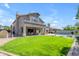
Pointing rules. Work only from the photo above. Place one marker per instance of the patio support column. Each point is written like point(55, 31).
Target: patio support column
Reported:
point(24, 30)
point(43, 31)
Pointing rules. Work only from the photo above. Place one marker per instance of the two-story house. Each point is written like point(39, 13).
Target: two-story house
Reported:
point(28, 24)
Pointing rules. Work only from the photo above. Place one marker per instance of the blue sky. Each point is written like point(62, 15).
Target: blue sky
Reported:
point(58, 15)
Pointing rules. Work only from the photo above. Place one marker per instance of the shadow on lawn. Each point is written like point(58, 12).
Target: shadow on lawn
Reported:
point(64, 51)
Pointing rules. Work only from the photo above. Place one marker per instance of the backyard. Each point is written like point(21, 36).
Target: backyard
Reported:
point(39, 46)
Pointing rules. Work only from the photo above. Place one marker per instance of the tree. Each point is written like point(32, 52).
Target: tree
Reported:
point(7, 28)
point(77, 24)
point(77, 15)
point(69, 27)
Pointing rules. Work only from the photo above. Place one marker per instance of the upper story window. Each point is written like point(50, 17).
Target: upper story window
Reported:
point(34, 19)
point(26, 19)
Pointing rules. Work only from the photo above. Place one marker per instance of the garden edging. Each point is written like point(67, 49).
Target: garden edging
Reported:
point(7, 53)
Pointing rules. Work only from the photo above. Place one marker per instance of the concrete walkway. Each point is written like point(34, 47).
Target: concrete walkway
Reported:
point(2, 42)
point(5, 40)
point(3, 54)
point(74, 51)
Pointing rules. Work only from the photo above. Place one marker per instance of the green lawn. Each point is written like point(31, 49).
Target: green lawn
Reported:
point(39, 46)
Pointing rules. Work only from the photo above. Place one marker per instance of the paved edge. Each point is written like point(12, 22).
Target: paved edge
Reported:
point(9, 39)
point(72, 47)
point(7, 53)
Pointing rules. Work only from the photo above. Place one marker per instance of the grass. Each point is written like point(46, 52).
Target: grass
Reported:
point(39, 46)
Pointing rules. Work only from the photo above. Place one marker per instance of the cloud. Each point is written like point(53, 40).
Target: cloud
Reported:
point(73, 18)
point(6, 18)
point(1, 24)
point(55, 21)
point(4, 13)
point(54, 25)
point(6, 5)
point(10, 20)
point(57, 26)
point(7, 21)
point(50, 19)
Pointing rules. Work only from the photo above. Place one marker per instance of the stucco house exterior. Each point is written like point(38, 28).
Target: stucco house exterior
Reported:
point(29, 24)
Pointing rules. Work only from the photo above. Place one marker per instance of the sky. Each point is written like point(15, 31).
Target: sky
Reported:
point(58, 15)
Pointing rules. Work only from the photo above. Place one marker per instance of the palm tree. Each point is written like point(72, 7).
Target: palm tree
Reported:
point(77, 15)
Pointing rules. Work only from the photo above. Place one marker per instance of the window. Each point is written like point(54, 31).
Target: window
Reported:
point(26, 19)
point(34, 19)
